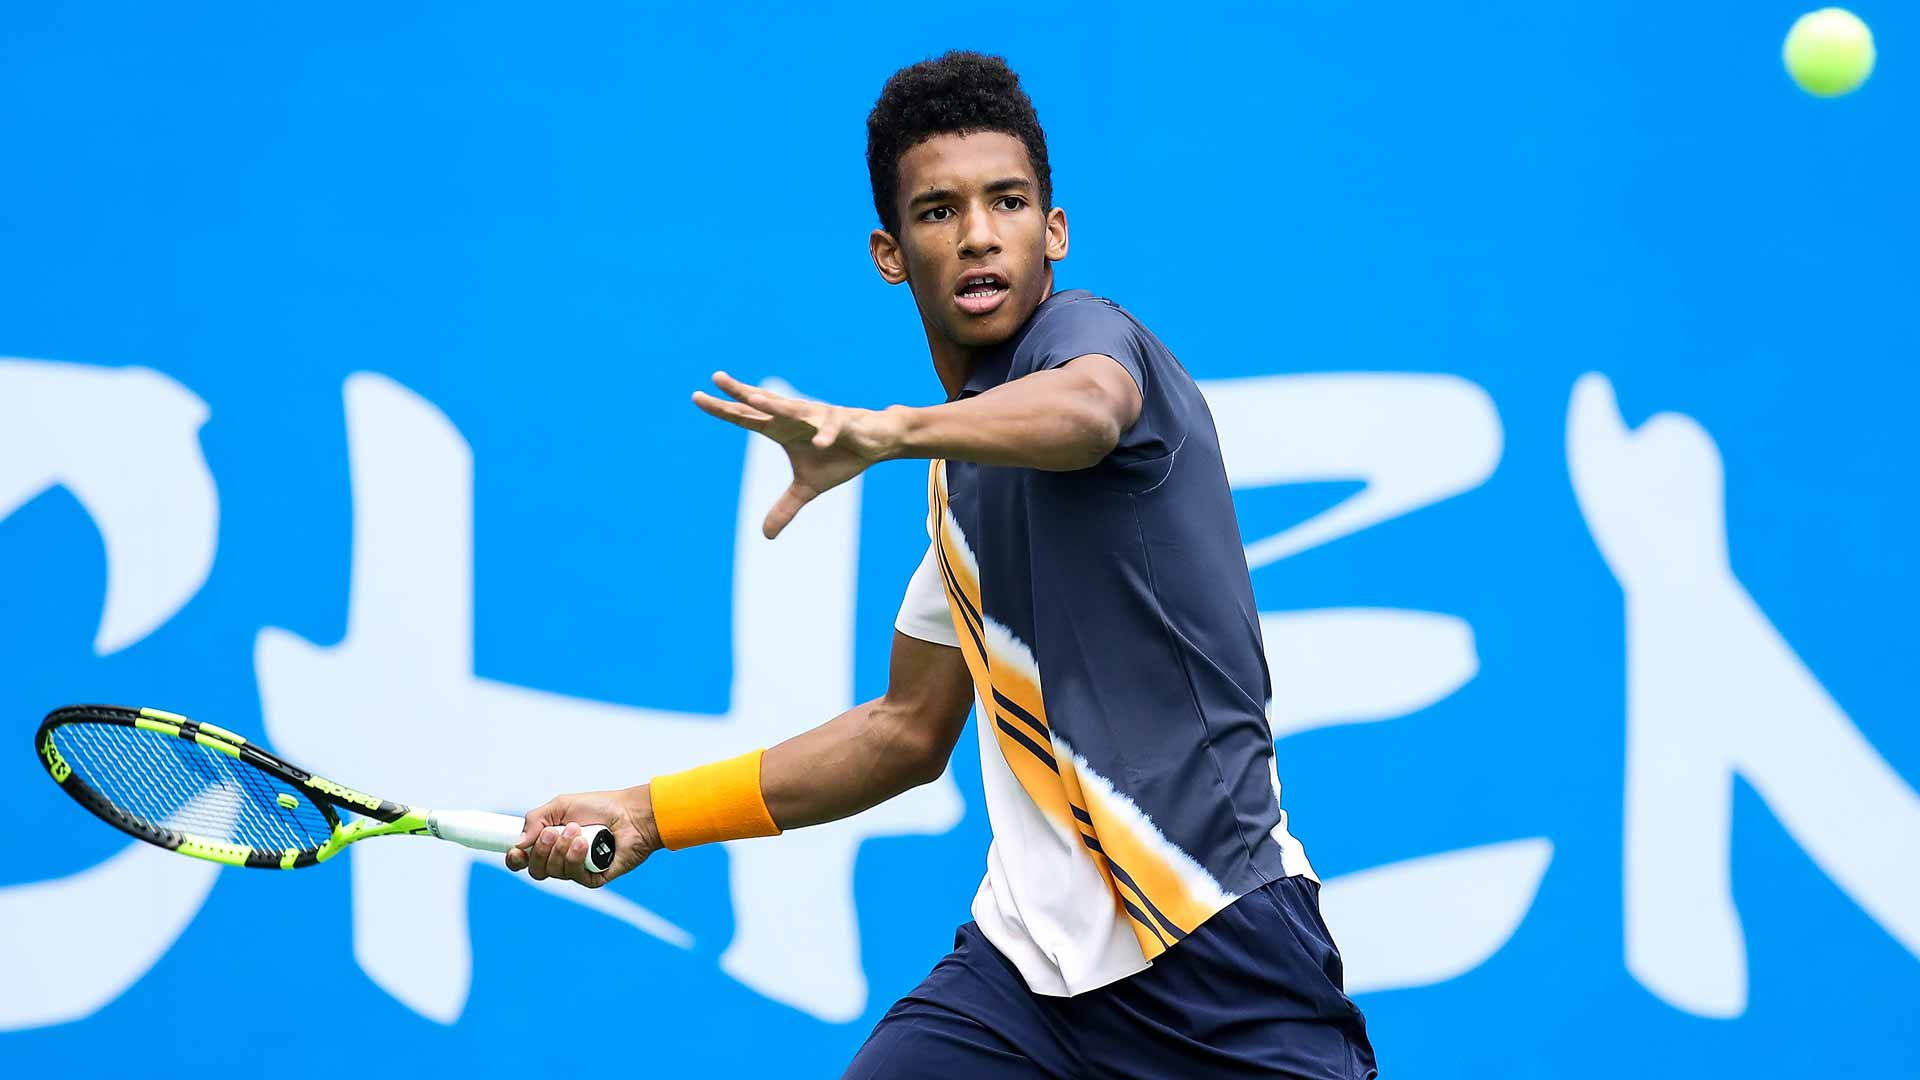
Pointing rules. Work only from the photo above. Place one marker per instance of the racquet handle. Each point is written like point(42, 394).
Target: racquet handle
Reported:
point(483, 831)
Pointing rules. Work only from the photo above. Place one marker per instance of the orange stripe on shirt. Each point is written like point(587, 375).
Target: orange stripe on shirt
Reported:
point(1056, 791)
point(1040, 782)
point(1145, 861)
point(1011, 678)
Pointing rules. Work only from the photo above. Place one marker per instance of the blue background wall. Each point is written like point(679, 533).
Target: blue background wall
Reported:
point(553, 224)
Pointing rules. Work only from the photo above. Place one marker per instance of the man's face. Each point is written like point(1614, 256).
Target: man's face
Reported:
point(973, 242)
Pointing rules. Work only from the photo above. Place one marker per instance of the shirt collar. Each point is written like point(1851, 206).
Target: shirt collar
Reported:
point(993, 366)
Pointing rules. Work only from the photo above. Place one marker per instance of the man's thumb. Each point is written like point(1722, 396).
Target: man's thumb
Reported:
point(537, 819)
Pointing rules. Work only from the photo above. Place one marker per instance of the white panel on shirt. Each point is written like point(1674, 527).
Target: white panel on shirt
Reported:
point(923, 611)
point(1043, 904)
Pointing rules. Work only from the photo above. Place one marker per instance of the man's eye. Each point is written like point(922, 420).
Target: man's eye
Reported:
point(938, 213)
point(1012, 202)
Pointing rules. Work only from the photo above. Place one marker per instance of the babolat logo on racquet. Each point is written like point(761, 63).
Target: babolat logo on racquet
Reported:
point(345, 794)
point(204, 791)
point(56, 764)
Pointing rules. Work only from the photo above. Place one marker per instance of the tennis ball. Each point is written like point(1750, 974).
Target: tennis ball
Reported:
point(1829, 52)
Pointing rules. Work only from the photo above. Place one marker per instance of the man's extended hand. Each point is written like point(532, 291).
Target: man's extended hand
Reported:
point(827, 445)
point(553, 844)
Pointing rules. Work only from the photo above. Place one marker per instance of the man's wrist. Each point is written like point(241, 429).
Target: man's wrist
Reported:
point(902, 429)
point(639, 802)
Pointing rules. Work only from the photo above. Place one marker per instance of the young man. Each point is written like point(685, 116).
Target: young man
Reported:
point(1145, 912)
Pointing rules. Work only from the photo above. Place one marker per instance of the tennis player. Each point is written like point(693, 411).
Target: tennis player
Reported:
point(1145, 910)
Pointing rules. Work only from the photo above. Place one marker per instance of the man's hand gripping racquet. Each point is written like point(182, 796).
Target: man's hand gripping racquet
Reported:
point(203, 791)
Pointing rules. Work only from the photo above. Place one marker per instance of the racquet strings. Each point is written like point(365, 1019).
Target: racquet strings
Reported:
point(173, 783)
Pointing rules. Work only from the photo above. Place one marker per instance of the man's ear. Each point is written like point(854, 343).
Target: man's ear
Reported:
point(1056, 234)
point(887, 256)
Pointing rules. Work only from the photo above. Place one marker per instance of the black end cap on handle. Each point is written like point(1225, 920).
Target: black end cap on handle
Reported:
point(600, 850)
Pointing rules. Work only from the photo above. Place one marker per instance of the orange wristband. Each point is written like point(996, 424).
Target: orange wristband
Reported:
point(716, 802)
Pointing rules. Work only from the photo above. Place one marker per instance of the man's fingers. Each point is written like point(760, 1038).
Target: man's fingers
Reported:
point(520, 855)
point(577, 857)
point(538, 818)
point(765, 401)
point(732, 386)
point(556, 861)
point(537, 854)
point(554, 839)
point(731, 411)
point(558, 864)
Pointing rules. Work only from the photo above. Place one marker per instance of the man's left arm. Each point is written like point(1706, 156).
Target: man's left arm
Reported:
point(1060, 419)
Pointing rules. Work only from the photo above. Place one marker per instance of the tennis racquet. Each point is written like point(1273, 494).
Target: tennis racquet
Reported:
point(203, 791)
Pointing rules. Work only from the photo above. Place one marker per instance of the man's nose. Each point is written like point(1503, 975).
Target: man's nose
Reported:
point(978, 237)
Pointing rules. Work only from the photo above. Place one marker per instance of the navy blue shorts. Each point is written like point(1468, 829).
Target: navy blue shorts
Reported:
point(1255, 991)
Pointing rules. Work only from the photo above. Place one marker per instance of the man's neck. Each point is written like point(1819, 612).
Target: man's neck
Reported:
point(954, 362)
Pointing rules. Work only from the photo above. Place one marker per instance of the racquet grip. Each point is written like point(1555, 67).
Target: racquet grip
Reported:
point(483, 831)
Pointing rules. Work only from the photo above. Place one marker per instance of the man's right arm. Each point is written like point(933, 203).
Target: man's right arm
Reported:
point(857, 760)
point(875, 750)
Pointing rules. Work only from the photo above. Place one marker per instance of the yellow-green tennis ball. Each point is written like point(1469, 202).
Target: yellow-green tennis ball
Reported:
point(1829, 52)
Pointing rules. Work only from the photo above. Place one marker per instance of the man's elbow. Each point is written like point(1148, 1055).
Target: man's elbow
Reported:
point(1092, 433)
point(925, 767)
point(917, 747)
point(1103, 435)
point(927, 752)
point(1100, 410)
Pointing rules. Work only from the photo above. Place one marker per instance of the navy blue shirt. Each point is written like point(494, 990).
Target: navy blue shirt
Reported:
point(1108, 619)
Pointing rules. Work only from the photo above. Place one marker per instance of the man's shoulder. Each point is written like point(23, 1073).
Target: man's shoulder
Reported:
point(1075, 323)
point(1081, 306)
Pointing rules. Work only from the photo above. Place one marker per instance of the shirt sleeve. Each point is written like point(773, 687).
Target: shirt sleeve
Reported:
point(1087, 327)
point(923, 611)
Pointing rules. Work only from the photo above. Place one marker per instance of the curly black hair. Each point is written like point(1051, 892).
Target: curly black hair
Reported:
point(957, 93)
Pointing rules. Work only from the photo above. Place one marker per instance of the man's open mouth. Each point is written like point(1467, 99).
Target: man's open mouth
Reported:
point(982, 292)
